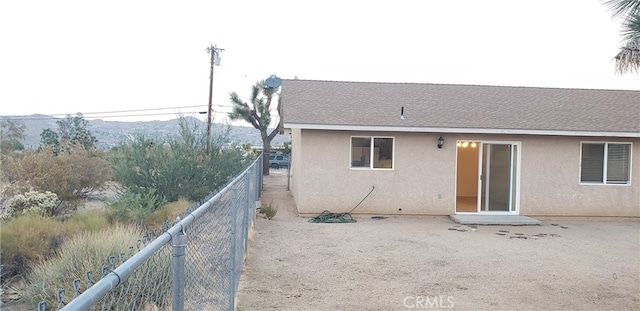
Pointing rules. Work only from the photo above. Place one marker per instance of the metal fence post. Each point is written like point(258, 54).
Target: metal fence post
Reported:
point(232, 237)
point(245, 216)
point(256, 180)
point(179, 243)
point(260, 175)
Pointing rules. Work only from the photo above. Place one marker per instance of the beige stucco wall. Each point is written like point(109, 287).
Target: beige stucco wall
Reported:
point(550, 181)
point(296, 156)
point(423, 180)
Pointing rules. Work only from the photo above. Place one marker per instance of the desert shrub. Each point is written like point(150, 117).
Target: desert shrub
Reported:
point(269, 210)
point(71, 131)
point(134, 207)
point(178, 167)
point(31, 238)
point(86, 251)
point(43, 204)
point(8, 165)
point(85, 221)
point(11, 135)
point(72, 175)
point(168, 212)
point(26, 240)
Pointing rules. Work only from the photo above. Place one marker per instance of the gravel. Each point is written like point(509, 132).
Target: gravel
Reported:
point(430, 262)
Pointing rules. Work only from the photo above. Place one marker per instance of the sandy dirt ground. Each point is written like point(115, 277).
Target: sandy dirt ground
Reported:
point(424, 262)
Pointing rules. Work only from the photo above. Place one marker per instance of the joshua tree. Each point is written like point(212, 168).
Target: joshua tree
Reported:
point(258, 113)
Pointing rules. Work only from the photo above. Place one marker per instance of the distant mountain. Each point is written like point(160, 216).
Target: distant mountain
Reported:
point(111, 133)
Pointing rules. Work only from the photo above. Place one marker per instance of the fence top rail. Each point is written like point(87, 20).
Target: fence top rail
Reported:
point(101, 288)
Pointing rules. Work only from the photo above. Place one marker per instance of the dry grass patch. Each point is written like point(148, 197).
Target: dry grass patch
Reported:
point(26, 240)
point(168, 212)
point(30, 239)
point(86, 251)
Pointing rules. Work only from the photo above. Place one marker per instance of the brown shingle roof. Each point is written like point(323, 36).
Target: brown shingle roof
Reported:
point(330, 104)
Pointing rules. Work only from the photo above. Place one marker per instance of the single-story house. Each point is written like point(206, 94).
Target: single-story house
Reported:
point(437, 149)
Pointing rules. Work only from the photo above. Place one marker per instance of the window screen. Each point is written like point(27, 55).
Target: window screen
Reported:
point(605, 163)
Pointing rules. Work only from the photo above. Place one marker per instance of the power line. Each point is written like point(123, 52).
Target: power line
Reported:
point(135, 110)
point(48, 117)
point(121, 113)
point(125, 113)
point(151, 114)
point(136, 115)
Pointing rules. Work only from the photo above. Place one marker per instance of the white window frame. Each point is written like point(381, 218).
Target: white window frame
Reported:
point(371, 153)
point(605, 158)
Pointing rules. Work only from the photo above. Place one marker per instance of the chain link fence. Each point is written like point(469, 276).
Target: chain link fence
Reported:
point(193, 265)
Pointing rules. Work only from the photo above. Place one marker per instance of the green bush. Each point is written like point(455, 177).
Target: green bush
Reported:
point(134, 207)
point(269, 210)
point(86, 251)
point(139, 209)
point(43, 204)
point(178, 167)
point(71, 131)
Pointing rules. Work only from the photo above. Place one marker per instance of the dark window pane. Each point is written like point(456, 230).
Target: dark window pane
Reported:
point(592, 166)
point(618, 158)
point(360, 151)
point(383, 152)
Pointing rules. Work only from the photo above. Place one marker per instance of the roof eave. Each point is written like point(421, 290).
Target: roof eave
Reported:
point(337, 127)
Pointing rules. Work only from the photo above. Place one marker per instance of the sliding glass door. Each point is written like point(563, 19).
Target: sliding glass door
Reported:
point(498, 176)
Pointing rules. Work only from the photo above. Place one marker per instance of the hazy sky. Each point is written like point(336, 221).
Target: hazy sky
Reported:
point(62, 57)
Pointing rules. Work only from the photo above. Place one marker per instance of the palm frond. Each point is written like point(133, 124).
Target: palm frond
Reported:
point(631, 27)
point(628, 59)
point(622, 8)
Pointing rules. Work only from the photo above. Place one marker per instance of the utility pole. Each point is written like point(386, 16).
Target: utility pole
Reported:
point(215, 60)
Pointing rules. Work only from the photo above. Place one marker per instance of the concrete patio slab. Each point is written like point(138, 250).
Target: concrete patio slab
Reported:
point(484, 219)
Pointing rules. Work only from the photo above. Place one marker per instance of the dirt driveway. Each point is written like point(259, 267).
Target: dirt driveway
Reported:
point(416, 263)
